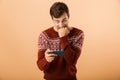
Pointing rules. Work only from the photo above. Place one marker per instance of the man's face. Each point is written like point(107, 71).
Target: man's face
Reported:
point(62, 21)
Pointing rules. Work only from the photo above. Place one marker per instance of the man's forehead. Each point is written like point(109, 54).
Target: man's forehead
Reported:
point(64, 16)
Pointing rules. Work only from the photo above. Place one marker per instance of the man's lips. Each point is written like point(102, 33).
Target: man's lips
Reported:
point(62, 27)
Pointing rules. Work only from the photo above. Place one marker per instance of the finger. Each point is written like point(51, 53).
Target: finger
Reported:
point(53, 55)
point(48, 50)
point(51, 50)
point(51, 58)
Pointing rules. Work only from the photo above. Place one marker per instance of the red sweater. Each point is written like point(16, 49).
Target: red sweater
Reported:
point(63, 67)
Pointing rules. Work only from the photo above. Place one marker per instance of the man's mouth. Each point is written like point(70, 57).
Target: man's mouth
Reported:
point(62, 27)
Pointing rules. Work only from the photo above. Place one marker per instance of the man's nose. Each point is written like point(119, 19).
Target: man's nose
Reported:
point(61, 24)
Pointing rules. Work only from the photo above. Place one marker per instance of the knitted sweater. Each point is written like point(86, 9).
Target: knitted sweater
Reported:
point(63, 67)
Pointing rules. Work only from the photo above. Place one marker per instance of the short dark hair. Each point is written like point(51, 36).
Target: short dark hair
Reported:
point(58, 8)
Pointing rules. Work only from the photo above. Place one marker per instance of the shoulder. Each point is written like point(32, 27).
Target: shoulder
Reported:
point(49, 33)
point(76, 32)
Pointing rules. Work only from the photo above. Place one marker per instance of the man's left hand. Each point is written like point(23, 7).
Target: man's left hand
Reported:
point(63, 32)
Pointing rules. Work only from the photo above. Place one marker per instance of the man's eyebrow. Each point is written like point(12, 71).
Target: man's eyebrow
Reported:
point(64, 18)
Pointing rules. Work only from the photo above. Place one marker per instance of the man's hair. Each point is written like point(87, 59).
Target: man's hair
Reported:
point(58, 8)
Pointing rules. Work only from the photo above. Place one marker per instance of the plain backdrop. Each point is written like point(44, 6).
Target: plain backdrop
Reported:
point(21, 22)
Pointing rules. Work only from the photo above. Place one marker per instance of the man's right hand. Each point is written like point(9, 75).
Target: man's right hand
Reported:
point(49, 57)
point(63, 31)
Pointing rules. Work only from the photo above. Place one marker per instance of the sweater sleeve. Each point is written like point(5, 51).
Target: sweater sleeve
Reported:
point(42, 46)
point(72, 51)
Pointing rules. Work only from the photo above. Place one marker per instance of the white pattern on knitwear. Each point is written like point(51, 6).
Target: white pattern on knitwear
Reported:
point(45, 42)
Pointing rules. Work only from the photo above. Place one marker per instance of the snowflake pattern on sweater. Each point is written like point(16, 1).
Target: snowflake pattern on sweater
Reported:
point(54, 43)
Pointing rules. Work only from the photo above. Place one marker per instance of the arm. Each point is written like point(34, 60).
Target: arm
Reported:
point(42, 62)
point(42, 46)
point(72, 52)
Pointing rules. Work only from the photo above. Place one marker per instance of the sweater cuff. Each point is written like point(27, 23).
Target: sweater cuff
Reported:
point(46, 64)
point(64, 42)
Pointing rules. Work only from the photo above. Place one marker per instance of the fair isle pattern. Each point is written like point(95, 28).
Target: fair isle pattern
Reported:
point(42, 42)
point(45, 42)
point(77, 41)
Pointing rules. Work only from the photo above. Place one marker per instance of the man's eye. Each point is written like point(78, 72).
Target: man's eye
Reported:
point(64, 20)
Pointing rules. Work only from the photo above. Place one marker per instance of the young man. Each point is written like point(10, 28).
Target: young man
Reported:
point(59, 37)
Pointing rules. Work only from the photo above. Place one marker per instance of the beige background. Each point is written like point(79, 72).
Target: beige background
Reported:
point(21, 22)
